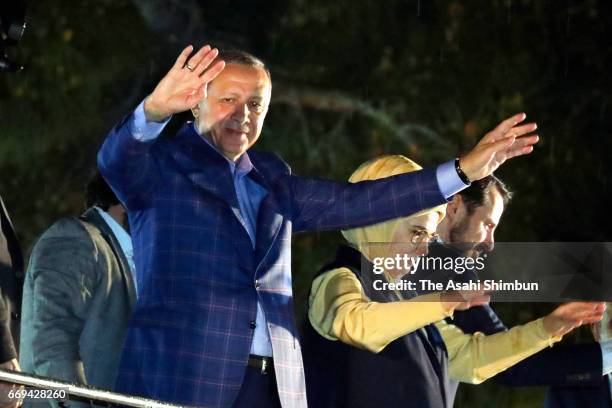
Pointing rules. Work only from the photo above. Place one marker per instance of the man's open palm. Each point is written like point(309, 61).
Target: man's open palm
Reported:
point(509, 139)
point(184, 85)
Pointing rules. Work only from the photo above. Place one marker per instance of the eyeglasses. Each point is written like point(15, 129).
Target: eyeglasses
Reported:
point(421, 236)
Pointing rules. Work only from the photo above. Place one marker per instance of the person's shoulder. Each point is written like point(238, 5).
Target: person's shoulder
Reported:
point(64, 227)
point(68, 230)
point(335, 277)
point(269, 162)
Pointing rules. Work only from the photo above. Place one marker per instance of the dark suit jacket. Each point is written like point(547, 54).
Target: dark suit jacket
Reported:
point(11, 283)
point(77, 300)
point(561, 365)
point(199, 278)
point(591, 396)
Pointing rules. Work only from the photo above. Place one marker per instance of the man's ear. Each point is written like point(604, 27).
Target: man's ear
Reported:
point(454, 207)
point(195, 111)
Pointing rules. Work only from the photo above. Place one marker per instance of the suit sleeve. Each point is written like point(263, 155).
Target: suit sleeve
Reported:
point(64, 280)
point(128, 165)
point(327, 205)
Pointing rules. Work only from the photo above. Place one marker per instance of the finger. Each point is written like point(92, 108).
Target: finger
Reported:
point(206, 61)
point(527, 140)
point(598, 316)
point(522, 145)
point(588, 311)
point(212, 72)
point(503, 128)
point(197, 58)
point(572, 310)
point(597, 312)
point(523, 129)
point(182, 58)
point(511, 153)
point(500, 145)
point(586, 316)
point(584, 305)
point(509, 123)
point(591, 319)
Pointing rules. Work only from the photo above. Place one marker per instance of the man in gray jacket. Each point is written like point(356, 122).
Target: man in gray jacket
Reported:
point(78, 294)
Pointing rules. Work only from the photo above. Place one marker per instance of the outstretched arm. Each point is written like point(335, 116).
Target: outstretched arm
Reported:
point(321, 205)
point(562, 364)
point(339, 310)
point(477, 357)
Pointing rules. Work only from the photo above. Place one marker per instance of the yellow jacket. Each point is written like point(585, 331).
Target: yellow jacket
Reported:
point(339, 310)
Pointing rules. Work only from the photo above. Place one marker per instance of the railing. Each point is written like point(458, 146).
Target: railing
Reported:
point(87, 392)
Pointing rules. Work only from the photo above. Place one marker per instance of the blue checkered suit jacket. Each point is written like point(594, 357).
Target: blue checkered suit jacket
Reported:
point(199, 277)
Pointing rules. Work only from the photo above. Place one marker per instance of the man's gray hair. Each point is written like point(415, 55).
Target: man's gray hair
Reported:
point(240, 57)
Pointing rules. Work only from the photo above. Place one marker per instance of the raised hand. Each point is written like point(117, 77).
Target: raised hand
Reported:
point(463, 299)
point(184, 85)
point(603, 330)
point(509, 139)
point(569, 316)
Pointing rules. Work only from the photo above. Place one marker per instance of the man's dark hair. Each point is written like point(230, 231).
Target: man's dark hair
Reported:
point(236, 56)
point(99, 193)
point(476, 194)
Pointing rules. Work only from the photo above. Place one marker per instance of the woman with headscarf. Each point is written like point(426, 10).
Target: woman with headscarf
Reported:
point(366, 347)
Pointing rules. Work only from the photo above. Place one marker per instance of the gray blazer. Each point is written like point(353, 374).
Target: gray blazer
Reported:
point(77, 299)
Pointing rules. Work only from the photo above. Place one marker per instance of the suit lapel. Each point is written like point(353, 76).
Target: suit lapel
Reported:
point(269, 218)
point(92, 217)
point(269, 223)
point(205, 167)
point(201, 164)
point(208, 170)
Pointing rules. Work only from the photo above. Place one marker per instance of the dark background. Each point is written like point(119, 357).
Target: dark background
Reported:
point(352, 79)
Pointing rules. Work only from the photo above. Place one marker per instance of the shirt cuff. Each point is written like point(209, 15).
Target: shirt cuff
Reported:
point(141, 128)
point(606, 355)
point(543, 334)
point(448, 180)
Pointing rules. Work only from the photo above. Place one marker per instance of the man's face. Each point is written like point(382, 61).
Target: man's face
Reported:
point(119, 214)
point(233, 113)
point(478, 228)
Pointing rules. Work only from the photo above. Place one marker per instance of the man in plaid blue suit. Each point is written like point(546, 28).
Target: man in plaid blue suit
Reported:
point(212, 221)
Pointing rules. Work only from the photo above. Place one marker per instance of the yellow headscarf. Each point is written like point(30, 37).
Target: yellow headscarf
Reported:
point(383, 232)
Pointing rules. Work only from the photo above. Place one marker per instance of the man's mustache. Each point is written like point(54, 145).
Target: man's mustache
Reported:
point(235, 125)
point(482, 248)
